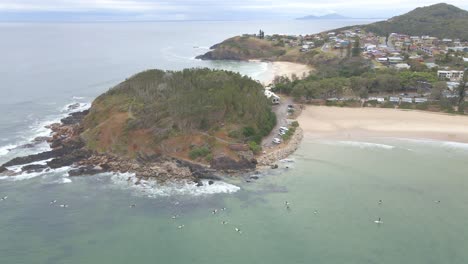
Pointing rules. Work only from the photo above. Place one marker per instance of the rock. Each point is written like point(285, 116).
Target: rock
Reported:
point(89, 170)
point(33, 168)
point(3, 169)
point(254, 177)
point(226, 163)
point(74, 118)
point(274, 166)
point(41, 139)
point(199, 184)
point(210, 182)
point(69, 158)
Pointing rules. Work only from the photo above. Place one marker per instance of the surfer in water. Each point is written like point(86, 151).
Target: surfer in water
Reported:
point(379, 221)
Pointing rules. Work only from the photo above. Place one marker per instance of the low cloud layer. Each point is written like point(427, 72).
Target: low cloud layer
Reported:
point(210, 9)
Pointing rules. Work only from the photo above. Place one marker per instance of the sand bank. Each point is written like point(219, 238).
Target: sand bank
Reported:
point(283, 68)
point(322, 121)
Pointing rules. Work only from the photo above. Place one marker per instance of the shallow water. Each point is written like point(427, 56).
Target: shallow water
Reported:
point(333, 191)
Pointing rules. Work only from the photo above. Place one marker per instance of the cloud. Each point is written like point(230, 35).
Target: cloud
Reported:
point(216, 9)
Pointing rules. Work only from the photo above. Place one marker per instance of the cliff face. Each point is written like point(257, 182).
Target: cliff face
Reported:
point(193, 114)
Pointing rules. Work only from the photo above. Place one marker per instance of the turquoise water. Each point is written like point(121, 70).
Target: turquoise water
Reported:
point(333, 188)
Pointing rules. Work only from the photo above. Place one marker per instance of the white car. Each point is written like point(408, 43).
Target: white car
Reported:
point(276, 140)
point(282, 133)
point(283, 129)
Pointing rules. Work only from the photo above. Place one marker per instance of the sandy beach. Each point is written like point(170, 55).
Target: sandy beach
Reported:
point(284, 68)
point(322, 121)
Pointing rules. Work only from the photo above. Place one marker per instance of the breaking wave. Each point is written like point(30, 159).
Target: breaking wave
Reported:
point(46, 172)
point(151, 188)
point(360, 144)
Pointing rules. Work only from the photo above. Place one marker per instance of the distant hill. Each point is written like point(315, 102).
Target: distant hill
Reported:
point(439, 20)
point(329, 16)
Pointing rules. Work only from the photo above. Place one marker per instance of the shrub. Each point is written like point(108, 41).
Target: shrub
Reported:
point(422, 106)
point(406, 106)
point(199, 152)
point(254, 147)
point(295, 124)
point(248, 132)
point(388, 105)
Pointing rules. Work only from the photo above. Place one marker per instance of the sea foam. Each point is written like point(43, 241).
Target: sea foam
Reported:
point(151, 188)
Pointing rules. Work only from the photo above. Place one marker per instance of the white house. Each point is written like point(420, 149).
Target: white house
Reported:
point(451, 75)
point(402, 66)
point(407, 100)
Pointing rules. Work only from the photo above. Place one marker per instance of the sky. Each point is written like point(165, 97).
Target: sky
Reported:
point(151, 10)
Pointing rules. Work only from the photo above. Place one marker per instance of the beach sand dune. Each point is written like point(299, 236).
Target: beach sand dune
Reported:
point(322, 121)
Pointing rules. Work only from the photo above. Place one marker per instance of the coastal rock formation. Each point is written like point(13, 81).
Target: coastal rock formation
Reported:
point(166, 126)
point(225, 163)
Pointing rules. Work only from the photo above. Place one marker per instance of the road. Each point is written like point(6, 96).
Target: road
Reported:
point(281, 111)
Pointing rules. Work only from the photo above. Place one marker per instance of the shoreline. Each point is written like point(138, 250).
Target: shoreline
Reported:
point(336, 122)
point(284, 68)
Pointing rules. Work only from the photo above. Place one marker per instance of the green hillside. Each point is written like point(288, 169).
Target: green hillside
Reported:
point(439, 20)
point(170, 112)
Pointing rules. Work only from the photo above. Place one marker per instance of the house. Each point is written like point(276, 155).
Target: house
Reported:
point(395, 60)
point(428, 50)
point(394, 99)
point(406, 100)
point(402, 66)
point(420, 100)
point(451, 75)
point(272, 96)
point(378, 99)
point(382, 60)
point(431, 65)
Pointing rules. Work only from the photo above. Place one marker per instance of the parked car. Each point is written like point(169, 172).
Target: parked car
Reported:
point(276, 140)
point(283, 129)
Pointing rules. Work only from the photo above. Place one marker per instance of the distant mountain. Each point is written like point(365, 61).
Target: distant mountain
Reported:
point(329, 16)
point(439, 20)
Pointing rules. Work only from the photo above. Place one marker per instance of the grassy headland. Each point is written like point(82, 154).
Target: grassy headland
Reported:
point(191, 114)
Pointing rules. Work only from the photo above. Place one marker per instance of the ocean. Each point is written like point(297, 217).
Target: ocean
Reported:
point(333, 186)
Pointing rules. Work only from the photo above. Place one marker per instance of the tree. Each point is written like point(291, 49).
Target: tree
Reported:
point(437, 90)
point(261, 34)
point(462, 92)
point(356, 51)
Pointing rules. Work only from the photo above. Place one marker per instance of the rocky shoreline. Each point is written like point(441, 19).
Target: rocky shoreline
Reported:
point(68, 149)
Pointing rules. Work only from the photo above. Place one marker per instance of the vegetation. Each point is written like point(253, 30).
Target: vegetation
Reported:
point(259, 47)
point(439, 20)
point(148, 111)
point(199, 152)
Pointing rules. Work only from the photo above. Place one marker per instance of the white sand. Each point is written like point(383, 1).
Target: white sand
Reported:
point(283, 68)
point(322, 121)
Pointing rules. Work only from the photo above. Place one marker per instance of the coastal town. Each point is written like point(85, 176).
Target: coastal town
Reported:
point(438, 65)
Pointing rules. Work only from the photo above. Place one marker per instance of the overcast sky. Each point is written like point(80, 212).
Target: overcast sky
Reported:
point(203, 9)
